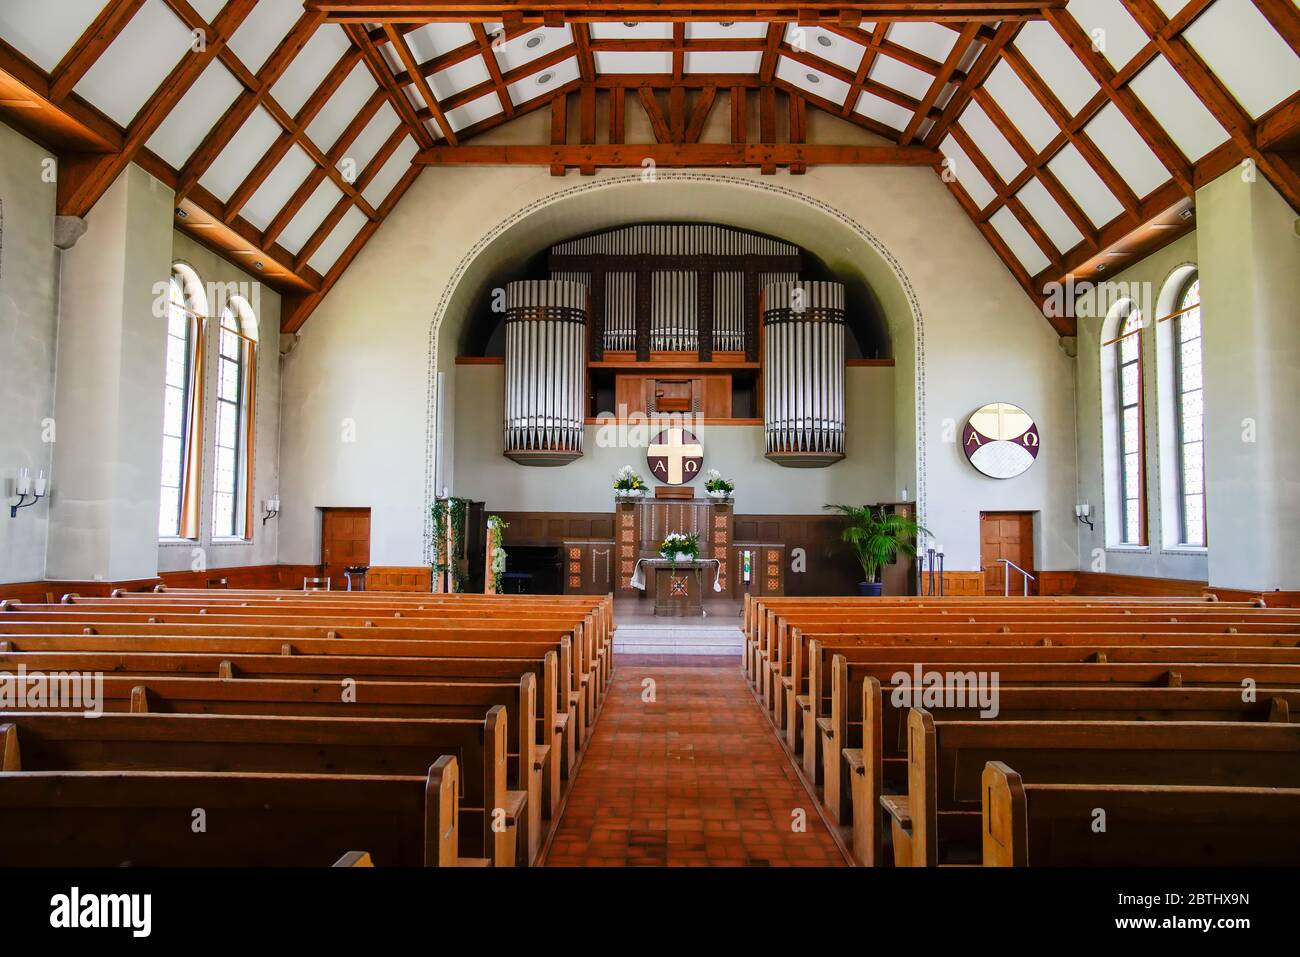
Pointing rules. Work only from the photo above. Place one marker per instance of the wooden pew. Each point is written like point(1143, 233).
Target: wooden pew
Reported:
point(782, 666)
point(559, 678)
point(329, 662)
point(770, 625)
point(534, 768)
point(1160, 825)
point(875, 734)
point(589, 665)
point(595, 614)
point(938, 821)
point(804, 711)
point(62, 744)
point(146, 818)
point(861, 663)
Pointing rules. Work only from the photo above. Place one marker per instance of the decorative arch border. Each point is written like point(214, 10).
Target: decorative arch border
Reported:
point(492, 235)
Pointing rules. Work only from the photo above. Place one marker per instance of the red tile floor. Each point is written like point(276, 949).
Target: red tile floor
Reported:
point(693, 778)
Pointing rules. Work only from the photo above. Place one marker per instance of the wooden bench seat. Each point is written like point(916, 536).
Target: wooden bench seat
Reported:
point(861, 663)
point(875, 732)
point(152, 818)
point(63, 742)
point(1147, 825)
point(946, 761)
point(553, 684)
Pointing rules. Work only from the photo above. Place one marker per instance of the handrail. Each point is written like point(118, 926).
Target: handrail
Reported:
point(1006, 578)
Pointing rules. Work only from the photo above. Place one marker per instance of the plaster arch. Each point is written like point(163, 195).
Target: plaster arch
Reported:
point(844, 244)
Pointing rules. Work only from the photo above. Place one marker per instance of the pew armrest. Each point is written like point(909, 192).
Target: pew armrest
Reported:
point(802, 702)
point(516, 806)
point(898, 807)
point(825, 727)
point(854, 759)
point(541, 754)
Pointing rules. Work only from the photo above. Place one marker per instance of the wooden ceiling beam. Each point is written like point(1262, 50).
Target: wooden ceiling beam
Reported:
point(294, 133)
point(700, 113)
point(958, 52)
point(408, 60)
point(979, 72)
point(1284, 18)
point(493, 67)
point(84, 178)
point(1125, 100)
point(863, 73)
point(388, 83)
point(317, 175)
point(70, 126)
point(678, 154)
point(245, 103)
point(577, 11)
point(92, 43)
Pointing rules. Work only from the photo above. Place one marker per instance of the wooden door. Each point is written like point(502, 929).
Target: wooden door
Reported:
point(344, 540)
point(1008, 535)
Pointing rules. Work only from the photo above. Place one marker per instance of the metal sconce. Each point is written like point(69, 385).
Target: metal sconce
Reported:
point(1081, 512)
point(270, 508)
point(27, 487)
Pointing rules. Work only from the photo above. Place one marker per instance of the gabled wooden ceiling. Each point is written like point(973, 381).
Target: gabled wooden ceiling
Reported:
point(1073, 134)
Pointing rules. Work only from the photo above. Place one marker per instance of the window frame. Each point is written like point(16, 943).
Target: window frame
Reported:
point(244, 322)
point(1180, 433)
point(193, 302)
point(1142, 538)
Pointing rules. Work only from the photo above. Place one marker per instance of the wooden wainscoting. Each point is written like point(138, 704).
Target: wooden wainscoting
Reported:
point(399, 578)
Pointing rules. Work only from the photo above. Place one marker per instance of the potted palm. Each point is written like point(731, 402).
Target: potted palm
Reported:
point(876, 537)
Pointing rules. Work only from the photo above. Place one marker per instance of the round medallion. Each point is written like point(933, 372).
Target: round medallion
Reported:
point(675, 456)
point(1001, 440)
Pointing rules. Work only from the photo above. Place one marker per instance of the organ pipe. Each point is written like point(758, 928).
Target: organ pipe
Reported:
point(803, 378)
point(546, 335)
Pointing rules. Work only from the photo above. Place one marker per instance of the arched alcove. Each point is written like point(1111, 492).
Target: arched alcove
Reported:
point(844, 247)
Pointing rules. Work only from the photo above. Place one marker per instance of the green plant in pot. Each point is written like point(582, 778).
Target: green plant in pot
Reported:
point(877, 537)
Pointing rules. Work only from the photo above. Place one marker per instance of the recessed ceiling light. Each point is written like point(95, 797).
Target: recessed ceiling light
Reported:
point(545, 78)
point(824, 40)
point(1188, 213)
point(727, 23)
point(533, 42)
point(812, 78)
point(259, 265)
point(181, 214)
point(630, 26)
point(1101, 267)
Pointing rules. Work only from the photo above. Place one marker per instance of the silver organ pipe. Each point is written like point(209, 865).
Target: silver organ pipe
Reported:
point(674, 295)
point(803, 379)
point(546, 335)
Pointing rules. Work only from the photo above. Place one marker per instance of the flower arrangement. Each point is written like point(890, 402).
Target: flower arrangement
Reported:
point(498, 524)
point(679, 547)
point(628, 483)
point(716, 485)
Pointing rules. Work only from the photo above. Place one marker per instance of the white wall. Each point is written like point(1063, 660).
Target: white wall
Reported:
point(109, 396)
point(365, 353)
point(29, 303)
point(1250, 259)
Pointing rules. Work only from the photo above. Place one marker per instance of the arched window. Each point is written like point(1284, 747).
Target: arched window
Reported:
point(182, 457)
point(1189, 412)
point(232, 500)
point(1129, 426)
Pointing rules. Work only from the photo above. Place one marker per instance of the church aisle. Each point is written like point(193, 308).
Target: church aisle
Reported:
point(694, 777)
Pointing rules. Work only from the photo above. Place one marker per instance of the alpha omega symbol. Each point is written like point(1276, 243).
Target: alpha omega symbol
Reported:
point(675, 456)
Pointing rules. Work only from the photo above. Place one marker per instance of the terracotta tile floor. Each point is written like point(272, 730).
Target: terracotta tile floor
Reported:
point(695, 778)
